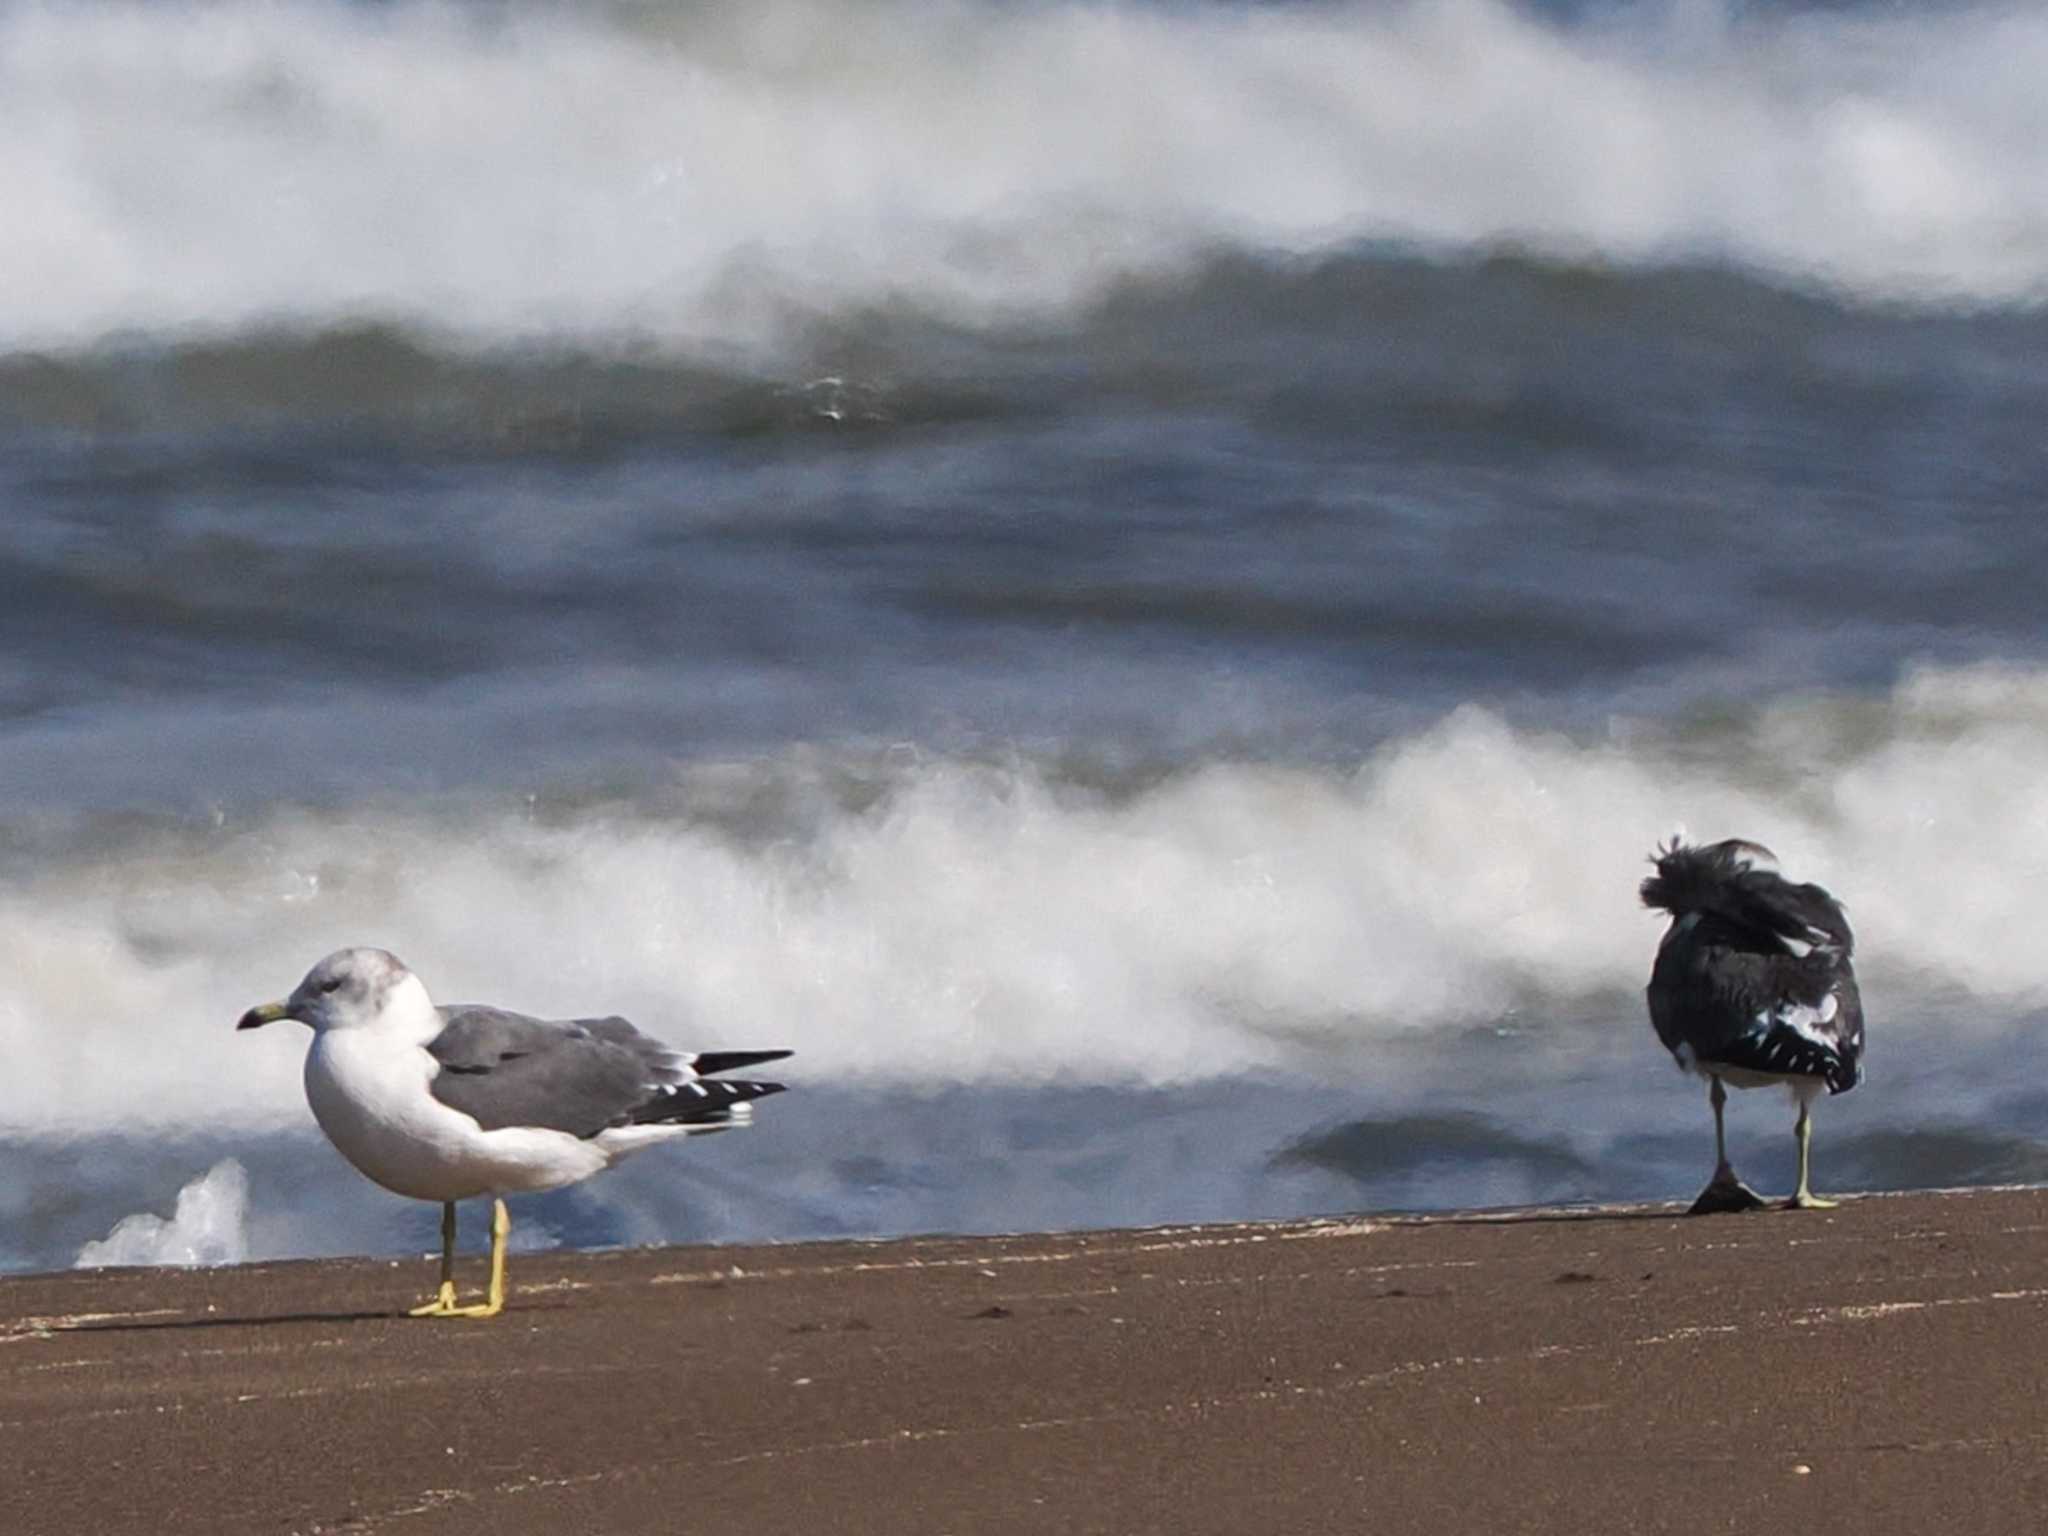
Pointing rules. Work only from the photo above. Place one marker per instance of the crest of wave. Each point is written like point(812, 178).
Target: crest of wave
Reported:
point(208, 1226)
point(700, 176)
point(957, 922)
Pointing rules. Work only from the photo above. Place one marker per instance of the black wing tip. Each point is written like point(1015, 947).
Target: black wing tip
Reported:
point(700, 1103)
point(711, 1063)
point(1785, 1053)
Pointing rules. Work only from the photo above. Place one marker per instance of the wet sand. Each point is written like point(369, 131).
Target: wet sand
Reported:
point(1876, 1368)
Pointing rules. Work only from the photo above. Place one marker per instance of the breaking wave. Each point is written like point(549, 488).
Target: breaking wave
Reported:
point(919, 921)
point(208, 1226)
point(703, 178)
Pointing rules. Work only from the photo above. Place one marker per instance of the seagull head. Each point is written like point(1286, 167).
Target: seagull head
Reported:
point(1692, 877)
point(350, 989)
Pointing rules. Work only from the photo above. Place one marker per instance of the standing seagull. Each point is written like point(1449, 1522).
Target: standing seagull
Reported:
point(1753, 985)
point(450, 1103)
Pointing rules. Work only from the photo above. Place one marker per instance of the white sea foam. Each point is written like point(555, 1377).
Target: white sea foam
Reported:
point(976, 924)
point(209, 1226)
point(692, 176)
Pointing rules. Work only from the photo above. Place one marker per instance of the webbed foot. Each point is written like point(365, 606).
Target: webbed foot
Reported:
point(445, 1305)
point(1726, 1194)
point(1806, 1200)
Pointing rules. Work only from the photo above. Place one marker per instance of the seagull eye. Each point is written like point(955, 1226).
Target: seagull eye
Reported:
point(331, 984)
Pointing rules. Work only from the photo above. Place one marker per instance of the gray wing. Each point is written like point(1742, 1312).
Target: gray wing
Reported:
point(576, 1075)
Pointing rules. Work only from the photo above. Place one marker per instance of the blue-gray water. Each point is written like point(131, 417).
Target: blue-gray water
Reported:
point(1134, 581)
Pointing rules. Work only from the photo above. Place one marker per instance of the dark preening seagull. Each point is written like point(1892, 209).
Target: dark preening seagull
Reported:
point(1753, 986)
point(453, 1103)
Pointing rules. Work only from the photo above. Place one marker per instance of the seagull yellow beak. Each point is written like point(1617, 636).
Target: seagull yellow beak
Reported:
point(263, 1013)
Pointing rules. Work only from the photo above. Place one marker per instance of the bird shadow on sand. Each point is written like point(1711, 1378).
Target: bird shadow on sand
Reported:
point(274, 1320)
point(181, 1324)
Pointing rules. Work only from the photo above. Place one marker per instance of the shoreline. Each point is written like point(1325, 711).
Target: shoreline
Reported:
point(1561, 1368)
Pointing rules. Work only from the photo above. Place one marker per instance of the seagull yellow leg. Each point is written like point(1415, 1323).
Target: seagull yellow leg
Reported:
point(1804, 1199)
point(501, 1228)
point(444, 1304)
point(1726, 1192)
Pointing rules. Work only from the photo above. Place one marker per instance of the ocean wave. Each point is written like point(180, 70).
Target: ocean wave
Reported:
point(707, 179)
point(914, 920)
point(209, 1226)
point(1307, 345)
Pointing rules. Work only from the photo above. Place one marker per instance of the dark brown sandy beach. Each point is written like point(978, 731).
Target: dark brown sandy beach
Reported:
point(1876, 1368)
